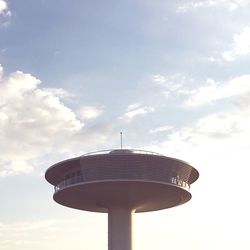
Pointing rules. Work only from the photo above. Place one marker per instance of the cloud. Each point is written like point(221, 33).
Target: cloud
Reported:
point(1, 72)
point(160, 79)
point(3, 6)
point(21, 227)
point(17, 235)
point(171, 83)
point(161, 129)
point(5, 13)
point(213, 91)
point(53, 234)
point(33, 121)
point(218, 146)
point(89, 112)
point(222, 135)
point(216, 127)
point(134, 111)
point(240, 47)
point(230, 5)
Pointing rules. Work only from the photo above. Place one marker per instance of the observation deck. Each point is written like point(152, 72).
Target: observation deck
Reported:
point(142, 180)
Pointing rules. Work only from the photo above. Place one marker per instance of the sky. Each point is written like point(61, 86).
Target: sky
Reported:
point(174, 76)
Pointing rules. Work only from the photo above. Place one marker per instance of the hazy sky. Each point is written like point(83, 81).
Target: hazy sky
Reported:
point(174, 76)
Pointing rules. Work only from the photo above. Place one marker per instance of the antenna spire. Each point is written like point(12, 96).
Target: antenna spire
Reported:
point(121, 139)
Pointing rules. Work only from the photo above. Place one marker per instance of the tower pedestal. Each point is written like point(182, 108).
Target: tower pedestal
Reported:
point(120, 228)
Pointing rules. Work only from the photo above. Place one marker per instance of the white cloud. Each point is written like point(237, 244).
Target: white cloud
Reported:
point(5, 13)
point(216, 142)
point(133, 106)
point(217, 127)
point(161, 129)
point(134, 111)
point(230, 5)
point(17, 235)
point(21, 227)
point(89, 112)
point(33, 121)
point(160, 79)
point(59, 92)
point(214, 91)
point(1, 72)
point(218, 146)
point(54, 234)
point(240, 47)
point(3, 6)
point(170, 83)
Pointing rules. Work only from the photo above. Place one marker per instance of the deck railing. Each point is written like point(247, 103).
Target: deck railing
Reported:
point(122, 151)
point(80, 179)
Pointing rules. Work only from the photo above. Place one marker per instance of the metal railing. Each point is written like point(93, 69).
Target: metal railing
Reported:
point(123, 151)
point(80, 179)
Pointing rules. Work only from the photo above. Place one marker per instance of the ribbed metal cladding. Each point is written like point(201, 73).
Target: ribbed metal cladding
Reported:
point(122, 164)
point(133, 166)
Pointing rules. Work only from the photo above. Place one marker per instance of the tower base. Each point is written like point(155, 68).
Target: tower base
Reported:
point(120, 228)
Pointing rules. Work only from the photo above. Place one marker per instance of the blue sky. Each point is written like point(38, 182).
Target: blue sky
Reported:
point(172, 75)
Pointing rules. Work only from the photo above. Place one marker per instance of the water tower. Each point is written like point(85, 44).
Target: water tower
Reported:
point(121, 182)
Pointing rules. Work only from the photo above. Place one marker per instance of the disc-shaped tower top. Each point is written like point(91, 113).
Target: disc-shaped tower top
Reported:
point(142, 180)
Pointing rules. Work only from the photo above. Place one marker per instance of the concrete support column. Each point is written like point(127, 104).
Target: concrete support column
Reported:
point(120, 228)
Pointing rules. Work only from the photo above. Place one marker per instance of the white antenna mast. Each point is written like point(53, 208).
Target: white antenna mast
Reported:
point(121, 139)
